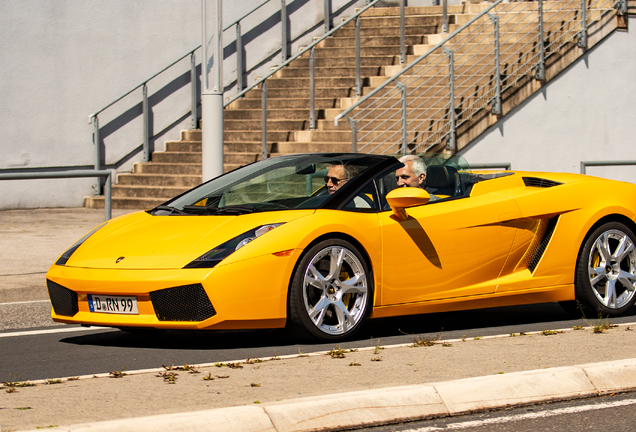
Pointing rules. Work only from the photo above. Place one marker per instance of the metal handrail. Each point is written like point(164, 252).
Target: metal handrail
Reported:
point(585, 164)
point(306, 49)
point(485, 57)
point(412, 64)
point(70, 174)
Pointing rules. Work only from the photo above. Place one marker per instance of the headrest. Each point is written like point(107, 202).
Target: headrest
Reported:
point(440, 177)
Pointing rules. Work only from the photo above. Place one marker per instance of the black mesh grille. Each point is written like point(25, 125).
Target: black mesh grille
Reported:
point(184, 303)
point(64, 300)
point(539, 182)
point(543, 245)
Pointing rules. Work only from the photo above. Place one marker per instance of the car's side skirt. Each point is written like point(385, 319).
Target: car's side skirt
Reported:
point(513, 298)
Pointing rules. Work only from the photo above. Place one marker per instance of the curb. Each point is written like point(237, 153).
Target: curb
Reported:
point(393, 404)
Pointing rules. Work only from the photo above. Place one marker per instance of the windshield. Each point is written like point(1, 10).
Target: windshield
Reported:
point(280, 183)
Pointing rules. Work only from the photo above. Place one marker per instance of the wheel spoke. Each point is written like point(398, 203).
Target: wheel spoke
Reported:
point(627, 279)
point(335, 263)
point(315, 279)
point(351, 285)
point(610, 293)
point(317, 313)
point(602, 245)
point(343, 315)
point(624, 248)
point(600, 274)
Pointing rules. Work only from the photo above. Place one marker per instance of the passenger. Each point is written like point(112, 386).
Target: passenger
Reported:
point(413, 174)
point(338, 175)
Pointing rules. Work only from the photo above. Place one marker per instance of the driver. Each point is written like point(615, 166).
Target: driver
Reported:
point(338, 175)
point(413, 174)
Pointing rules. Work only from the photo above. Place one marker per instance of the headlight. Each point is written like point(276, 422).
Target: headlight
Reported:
point(219, 253)
point(66, 255)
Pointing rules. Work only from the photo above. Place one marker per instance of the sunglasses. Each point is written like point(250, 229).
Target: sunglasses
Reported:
point(334, 180)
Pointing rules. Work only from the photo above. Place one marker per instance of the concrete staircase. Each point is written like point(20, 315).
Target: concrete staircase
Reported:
point(178, 168)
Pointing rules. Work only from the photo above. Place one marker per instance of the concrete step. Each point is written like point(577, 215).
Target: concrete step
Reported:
point(176, 157)
point(167, 168)
point(281, 103)
point(365, 51)
point(413, 10)
point(124, 203)
point(524, 6)
point(154, 191)
point(342, 61)
point(373, 41)
point(303, 82)
point(337, 72)
point(187, 181)
point(183, 146)
point(395, 113)
point(283, 93)
point(431, 80)
point(237, 136)
point(410, 20)
point(272, 125)
point(393, 31)
point(278, 114)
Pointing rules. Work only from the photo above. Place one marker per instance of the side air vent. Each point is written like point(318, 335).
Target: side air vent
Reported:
point(543, 245)
point(184, 303)
point(539, 182)
point(64, 300)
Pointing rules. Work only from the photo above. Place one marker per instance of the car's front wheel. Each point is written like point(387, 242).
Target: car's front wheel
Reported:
point(331, 292)
point(606, 271)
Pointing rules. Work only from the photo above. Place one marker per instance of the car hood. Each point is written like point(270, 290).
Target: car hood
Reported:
point(144, 241)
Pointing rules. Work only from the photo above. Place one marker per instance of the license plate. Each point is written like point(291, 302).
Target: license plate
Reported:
point(113, 304)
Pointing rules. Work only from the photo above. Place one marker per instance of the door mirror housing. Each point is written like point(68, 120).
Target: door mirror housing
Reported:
point(402, 198)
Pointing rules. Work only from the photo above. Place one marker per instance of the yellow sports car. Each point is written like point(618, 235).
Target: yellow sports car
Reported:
point(319, 242)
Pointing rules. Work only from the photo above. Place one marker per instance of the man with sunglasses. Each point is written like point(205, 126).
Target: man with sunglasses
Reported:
point(338, 175)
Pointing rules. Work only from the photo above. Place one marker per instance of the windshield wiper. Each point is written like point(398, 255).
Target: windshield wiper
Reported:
point(229, 210)
point(169, 209)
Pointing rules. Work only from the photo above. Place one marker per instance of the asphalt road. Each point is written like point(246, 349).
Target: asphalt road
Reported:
point(53, 355)
point(614, 413)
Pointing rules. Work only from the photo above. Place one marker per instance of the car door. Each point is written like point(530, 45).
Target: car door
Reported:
point(446, 249)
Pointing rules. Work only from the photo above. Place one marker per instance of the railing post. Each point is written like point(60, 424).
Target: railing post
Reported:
point(582, 40)
point(540, 73)
point(264, 120)
point(451, 143)
point(194, 91)
point(239, 58)
point(496, 103)
point(312, 90)
point(402, 33)
point(444, 16)
point(108, 197)
point(358, 54)
point(404, 145)
point(146, 126)
point(98, 155)
point(283, 23)
point(327, 4)
point(353, 124)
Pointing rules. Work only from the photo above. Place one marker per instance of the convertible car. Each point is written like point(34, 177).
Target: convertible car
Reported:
point(274, 244)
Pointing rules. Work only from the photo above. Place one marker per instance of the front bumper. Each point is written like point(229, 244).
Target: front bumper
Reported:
point(242, 295)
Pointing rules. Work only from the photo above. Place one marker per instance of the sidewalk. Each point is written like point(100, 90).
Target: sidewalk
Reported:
point(299, 393)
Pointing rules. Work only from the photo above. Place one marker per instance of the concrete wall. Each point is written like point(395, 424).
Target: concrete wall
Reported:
point(587, 113)
point(65, 59)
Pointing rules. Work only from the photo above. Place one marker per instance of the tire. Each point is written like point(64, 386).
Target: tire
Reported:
point(331, 292)
point(605, 283)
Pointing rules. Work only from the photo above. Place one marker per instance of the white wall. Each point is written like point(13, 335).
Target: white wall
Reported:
point(62, 60)
point(587, 113)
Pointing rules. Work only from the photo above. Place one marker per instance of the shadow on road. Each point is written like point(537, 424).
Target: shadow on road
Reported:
point(451, 325)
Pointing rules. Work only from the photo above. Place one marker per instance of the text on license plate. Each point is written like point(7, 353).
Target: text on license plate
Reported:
point(113, 304)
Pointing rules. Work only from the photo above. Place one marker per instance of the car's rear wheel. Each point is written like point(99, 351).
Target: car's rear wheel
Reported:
point(331, 292)
point(606, 271)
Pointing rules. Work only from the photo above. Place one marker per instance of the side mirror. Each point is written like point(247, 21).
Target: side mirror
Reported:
point(401, 198)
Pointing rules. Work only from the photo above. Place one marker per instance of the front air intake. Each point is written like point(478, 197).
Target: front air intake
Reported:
point(539, 182)
point(184, 303)
point(64, 300)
